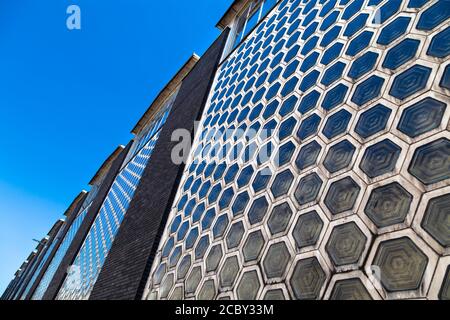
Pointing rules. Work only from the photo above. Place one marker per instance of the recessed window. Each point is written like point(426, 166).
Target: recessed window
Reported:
point(250, 17)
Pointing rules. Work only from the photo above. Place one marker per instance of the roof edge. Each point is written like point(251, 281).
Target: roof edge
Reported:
point(165, 92)
point(75, 202)
point(232, 11)
point(106, 165)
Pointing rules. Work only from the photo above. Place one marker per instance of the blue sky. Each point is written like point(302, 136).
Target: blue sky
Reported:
point(68, 98)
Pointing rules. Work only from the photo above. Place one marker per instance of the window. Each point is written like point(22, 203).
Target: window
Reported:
point(250, 17)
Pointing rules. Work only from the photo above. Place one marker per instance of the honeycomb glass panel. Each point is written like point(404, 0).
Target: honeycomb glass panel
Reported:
point(280, 218)
point(350, 289)
point(363, 65)
point(388, 205)
point(437, 219)
point(339, 156)
point(309, 127)
point(337, 124)
point(308, 279)
point(368, 90)
point(274, 295)
point(213, 258)
point(402, 264)
point(193, 280)
point(286, 128)
point(235, 235)
point(248, 286)
point(346, 244)
point(431, 163)
point(444, 293)
point(285, 154)
point(253, 246)
point(308, 189)
point(229, 272)
point(380, 158)
point(434, 16)
point(342, 195)
point(439, 46)
point(240, 203)
point(308, 155)
point(282, 183)
point(201, 247)
point(307, 230)
point(334, 97)
point(184, 266)
point(261, 180)
point(166, 286)
point(208, 291)
point(422, 117)
point(401, 54)
point(445, 81)
point(279, 155)
point(258, 210)
point(220, 226)
point(393, 30)
point(373, 121)
point(410, 81)
point(276, 260)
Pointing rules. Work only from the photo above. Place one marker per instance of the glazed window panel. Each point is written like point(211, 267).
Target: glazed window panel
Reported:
point(78, 285)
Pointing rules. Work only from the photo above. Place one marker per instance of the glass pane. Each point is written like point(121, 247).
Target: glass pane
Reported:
point(267, 6)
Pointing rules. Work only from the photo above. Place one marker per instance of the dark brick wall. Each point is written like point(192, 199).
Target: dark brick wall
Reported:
point(77, 242)
point(66, 226)
point(126, 269)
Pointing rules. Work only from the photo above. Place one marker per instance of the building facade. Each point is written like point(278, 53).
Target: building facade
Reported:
point(320, 168)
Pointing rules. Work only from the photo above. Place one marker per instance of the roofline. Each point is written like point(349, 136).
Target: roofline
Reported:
point(165, 92)
point(106, 165)
point(232, 11)
point(41, 245)
point(31, 256)
point(55, 228)
point(75, 202)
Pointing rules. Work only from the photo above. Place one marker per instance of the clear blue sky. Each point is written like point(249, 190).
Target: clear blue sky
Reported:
point(68, 98)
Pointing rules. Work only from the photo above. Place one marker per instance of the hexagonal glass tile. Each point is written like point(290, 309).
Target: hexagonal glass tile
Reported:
point(339, 156)
point(373, 121)
point(388, 205)
point(308, 155)
point(213, 258)
point(308, 279)
point(229, 271)
point(430, 163)
point(282, 183)
point(279, 218)
point(350, 289)
point(444, 293)
point(193, 280)
point(235, 235)
point(276, 260)
point(253, 246)
point(422, 117)
point(380, 158)
point(208, 291)
point(308, 189)
point(410, 81)
point(248, 286)
point(346, 244)
point(342, 195)
point(436, 220)
point(307, 230)
point(402, 264)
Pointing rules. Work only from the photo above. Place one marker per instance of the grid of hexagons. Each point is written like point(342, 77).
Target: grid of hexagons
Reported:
point(334, 183)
